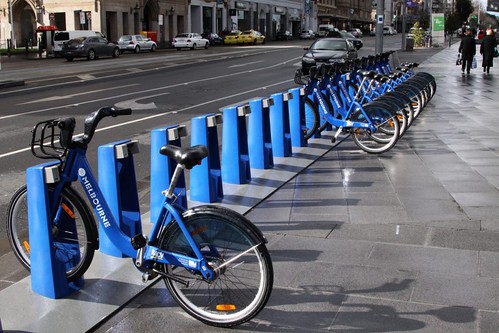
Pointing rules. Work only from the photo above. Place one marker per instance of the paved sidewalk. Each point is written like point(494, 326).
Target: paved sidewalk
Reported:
point(404, 241)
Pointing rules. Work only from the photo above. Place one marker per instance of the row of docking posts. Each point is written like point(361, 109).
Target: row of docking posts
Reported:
point(253, 134)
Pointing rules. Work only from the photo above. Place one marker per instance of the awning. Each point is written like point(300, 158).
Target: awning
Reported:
point(46, 28)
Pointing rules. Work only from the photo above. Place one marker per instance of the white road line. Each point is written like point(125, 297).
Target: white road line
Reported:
point(164, 113)
point(147, 91)
point(245, 64)
point(56, 98)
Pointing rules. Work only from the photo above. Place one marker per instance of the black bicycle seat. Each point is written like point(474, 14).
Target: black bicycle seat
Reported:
point(189, 157)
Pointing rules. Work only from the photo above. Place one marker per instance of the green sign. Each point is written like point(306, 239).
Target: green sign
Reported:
point(438, 23)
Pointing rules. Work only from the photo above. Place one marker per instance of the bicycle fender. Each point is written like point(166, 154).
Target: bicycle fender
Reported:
point(233, 215)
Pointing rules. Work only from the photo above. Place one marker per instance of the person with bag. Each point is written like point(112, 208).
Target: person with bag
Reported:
point(467, 48)
point(488, 49)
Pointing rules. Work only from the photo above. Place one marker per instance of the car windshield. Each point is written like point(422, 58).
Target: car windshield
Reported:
point(247, 32)
point(329, 45)
point(182, 36)
point(234, 33)
point(125, 38)
point(347, 35)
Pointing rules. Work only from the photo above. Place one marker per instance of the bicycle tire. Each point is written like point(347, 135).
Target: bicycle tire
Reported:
point(18, 234)
point(311, 118)
point(242, 289)
point(379, 141)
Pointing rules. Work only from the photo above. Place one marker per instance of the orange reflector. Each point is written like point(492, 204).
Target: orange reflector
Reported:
point(26, 246)
point(68, 211)
point(226, 307)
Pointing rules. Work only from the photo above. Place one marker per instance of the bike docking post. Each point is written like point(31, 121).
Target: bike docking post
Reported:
point(297, 125)
point(235, 157)
point(259, 137)
point(48, 271)
point(162, 168)
point(206, 179)
point(118, 184)
point(279, 125)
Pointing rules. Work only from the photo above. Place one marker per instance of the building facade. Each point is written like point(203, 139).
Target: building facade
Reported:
point(163, 19)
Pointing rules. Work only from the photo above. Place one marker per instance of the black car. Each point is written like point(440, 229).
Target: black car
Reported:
point(284, 35)
point(214, 38)
point(327, 50)
point(357, 42)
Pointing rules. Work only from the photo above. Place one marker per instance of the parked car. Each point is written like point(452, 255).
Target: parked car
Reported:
point(308, 34)
point(213, 38)
point(357, 42)
point(91, 47)
point(61, 37)
point(252, 37)
point(190, 40)
point(136, 43)
point(233, 37)
point(284, 35)
point(356, 32)
point(387, 30)
point(327, 50)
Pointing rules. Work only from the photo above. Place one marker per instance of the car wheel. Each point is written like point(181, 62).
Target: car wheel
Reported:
point(69, 58)
point(153, 48)
point(206, 45)
point(193, 46)
point(116, 53)
point(91, 55)
point(178, 48)
point(254, 42)
point(137, 49)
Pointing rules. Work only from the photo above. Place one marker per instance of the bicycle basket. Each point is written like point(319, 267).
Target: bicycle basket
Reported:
point(51, 138)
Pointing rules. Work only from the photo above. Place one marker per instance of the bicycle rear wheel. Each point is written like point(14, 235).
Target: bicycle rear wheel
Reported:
point(73, 238)
point(384, 137)
point(243, 287)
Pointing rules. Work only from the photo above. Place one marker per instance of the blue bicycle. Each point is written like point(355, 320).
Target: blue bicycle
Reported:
point(213, 260)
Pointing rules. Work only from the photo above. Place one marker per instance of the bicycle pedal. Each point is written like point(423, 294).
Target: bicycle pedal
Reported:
point(138, 241)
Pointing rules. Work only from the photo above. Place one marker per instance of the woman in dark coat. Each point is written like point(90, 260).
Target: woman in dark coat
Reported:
point(489, 42)
point(468, 50)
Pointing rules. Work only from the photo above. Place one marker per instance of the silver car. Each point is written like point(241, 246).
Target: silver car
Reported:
point(136, 43)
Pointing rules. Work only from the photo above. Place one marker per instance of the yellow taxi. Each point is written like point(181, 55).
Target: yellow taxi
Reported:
point(233, 37)
point(252, 37)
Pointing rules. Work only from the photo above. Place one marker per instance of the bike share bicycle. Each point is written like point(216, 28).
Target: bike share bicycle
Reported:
point(213, 260)
point(345, 94)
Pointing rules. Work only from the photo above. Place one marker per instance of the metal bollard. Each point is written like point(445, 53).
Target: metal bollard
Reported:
point(235, 155)
point(206, 179)
point(279, 125)
point(259, 137)
point(48, 272)
point(118, 184)
point(162, 168)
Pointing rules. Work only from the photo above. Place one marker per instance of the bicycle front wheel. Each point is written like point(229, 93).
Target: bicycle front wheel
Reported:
point(73, 239)
point(311, 118)
point(243, 286)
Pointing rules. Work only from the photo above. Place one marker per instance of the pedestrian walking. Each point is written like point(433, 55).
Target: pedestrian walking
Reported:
point(487, 49)
point(467, 48)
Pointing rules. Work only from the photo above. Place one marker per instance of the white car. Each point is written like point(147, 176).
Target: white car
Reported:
point(389, 31)
point(190, 40)
point(136, 43)
point(307, 34)
point(356, 32)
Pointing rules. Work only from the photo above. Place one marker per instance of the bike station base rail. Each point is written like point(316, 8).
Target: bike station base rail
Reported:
point(110, 283)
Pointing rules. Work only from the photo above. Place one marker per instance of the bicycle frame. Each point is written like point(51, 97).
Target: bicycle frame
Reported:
point(76, 167)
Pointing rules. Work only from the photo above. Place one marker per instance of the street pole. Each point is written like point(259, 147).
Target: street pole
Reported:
point(403, 24)
point(12, 40)
point(380, 23)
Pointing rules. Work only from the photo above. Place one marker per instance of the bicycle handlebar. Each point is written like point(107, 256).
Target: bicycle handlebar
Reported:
point(93, 120)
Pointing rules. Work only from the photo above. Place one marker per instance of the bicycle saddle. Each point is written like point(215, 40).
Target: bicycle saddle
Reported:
point(189, 157)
